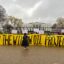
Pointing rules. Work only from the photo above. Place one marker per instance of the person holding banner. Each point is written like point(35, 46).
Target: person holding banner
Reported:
point(25, 42)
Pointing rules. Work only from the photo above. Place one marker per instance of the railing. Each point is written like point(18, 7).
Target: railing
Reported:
point(31, 29)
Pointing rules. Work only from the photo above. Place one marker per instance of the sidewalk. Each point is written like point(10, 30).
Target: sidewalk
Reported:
point(33, 55)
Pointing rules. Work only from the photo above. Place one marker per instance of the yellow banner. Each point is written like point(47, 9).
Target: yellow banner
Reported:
point(35, 39)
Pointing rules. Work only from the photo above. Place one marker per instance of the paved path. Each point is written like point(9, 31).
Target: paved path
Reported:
point(33, 55)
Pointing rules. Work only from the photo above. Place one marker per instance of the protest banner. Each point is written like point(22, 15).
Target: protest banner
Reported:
point(36, 39)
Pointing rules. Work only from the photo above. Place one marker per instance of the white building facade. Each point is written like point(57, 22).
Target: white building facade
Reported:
point(38, 25)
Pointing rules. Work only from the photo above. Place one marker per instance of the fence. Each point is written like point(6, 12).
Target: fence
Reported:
point(46, 30)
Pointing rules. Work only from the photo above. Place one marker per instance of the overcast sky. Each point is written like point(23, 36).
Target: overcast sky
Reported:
point(34, 10)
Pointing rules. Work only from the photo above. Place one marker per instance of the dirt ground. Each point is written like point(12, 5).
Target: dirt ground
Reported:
point(32, 55)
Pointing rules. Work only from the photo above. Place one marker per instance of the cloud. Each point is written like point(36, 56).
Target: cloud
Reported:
point(14, 0)
point(31, 10)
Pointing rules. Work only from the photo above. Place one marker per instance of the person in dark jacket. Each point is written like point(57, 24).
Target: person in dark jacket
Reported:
point(25, 42)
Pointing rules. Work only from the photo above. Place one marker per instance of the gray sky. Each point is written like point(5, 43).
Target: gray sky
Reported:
point(34, 10)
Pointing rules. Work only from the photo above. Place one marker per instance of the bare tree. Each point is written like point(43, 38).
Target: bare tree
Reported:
point(2, 14)
point(15, 21)
point(3, 17)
